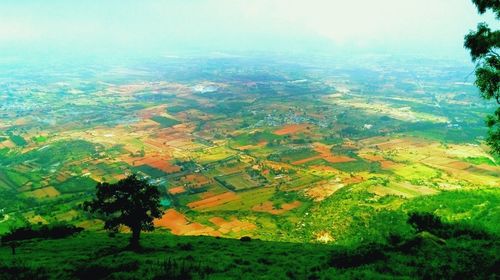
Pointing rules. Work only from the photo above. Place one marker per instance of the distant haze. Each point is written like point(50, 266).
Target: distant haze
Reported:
point(153, 26)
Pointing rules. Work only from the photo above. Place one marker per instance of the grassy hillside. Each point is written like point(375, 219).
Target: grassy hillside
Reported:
point(433, 250)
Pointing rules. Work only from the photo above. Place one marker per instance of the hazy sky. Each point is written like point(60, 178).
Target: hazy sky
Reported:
point(142, 26)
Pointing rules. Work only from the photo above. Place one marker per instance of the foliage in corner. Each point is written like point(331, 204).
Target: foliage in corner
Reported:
point(483, 45)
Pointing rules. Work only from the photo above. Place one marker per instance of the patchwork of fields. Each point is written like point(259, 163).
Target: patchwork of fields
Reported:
point(258, 154)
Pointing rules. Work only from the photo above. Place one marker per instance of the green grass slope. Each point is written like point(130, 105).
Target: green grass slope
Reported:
point(434, 251)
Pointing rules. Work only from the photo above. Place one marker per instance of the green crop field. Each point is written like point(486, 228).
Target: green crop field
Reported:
point(164, 121)
point(77, 184)
point(238, 181)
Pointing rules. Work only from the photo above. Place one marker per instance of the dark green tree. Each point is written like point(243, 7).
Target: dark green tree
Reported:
point(483, 45)
point(131, 202)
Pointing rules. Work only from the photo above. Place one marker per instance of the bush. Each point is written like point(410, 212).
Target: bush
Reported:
point(245, 239)
point(41, 231)
point(433, 224)
point(365, 254)
point(19, 270)
point(101, 271)
point(461, 229)
point(424, 221)
point(185, 246)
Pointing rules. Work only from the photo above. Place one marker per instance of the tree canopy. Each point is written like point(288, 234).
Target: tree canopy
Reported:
point(131, 202)
point(483, 45)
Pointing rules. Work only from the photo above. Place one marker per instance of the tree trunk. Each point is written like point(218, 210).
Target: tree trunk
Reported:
point(134, 240)
point(13, 246)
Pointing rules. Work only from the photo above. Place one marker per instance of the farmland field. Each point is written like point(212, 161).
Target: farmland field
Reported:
point(278, 153)
point(238, 181)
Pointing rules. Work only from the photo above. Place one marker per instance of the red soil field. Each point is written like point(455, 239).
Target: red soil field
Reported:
point(247, 147)
point(292, 129)
point(165, 166)
point(324, 150)
point(322, 191)
point(386, 164)
point(234, 225)
point(207, 194)
point(150, 112)
point(459, 165)
point(353, 180)
point(213, 201)
point(158, 161)
point(489, 167)
point(325, 168)
point(179, 225)
point(306, 160)
point(197, 179)
point(371, 157)
point(120, 176)
point(338, 159)
point(177, 190)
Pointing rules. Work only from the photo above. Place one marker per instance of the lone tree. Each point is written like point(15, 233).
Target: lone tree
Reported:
point(483, 45)
point(132, 202)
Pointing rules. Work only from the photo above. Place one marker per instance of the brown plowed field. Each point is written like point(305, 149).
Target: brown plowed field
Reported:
point(213, 201)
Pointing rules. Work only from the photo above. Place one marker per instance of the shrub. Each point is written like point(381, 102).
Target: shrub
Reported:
point(245, 239)
point(424, 221)
point(365, 254)
point(41, 231)
point(433, 224)
point(100, 271)
point(185, 246)
point(19, 270)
